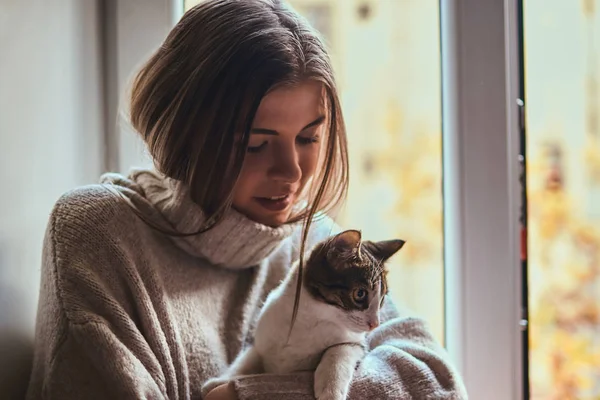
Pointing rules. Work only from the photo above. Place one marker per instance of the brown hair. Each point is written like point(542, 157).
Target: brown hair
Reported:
point(194, 101)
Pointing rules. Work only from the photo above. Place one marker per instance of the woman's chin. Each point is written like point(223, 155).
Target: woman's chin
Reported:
point(271, 219)
point(274, 221)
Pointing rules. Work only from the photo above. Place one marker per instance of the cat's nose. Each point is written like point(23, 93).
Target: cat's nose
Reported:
point(373, 324)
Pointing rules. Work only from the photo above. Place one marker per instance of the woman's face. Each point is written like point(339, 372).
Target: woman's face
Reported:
point(282, 153)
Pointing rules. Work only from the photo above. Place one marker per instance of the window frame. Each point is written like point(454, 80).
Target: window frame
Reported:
point(480, 120)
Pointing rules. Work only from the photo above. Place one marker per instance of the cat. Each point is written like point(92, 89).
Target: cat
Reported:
point(342, 291)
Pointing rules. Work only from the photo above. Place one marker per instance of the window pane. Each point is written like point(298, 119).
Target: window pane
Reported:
point(562, 45)
point(386, 55)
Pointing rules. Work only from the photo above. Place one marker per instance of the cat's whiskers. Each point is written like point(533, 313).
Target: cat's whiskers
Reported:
point(378, 271)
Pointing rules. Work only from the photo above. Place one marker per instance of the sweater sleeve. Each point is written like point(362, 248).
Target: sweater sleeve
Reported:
point(87, 344)
point(404, 361)
point(92, 362)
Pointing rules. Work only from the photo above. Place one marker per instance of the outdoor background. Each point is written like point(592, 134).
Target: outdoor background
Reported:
point(562, 49)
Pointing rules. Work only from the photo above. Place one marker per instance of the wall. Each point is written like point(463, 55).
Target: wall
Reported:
point(50, 141)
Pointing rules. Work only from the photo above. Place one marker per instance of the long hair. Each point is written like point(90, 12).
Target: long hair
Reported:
point(193, 102)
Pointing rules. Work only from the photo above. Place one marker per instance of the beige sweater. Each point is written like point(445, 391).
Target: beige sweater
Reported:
point(126, 312)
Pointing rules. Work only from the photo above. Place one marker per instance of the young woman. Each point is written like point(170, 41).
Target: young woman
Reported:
point(151, 283)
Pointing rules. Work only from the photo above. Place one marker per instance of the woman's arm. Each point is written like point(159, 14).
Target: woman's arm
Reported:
point(87, 345)
point(405, 362)
point(92, 362)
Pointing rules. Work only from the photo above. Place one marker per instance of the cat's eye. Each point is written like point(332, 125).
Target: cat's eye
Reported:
point(359, 294)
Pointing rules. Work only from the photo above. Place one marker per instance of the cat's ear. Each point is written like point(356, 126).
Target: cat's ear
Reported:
point(349, 239)
point(384, 249)
point(343, 247)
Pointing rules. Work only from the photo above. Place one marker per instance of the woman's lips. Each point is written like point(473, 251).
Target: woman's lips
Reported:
point(275, 203)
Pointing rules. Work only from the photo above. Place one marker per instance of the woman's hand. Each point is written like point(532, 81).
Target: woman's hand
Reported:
point(223, 392)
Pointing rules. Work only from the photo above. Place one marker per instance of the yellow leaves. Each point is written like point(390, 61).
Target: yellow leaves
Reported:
point(577, 349)
point(551, 210)
point(586, 235)
point(571, 357)
point(545, 314)
point(588, 7)
point(564, 265)
point(592, 160)
point(393, 118)
point(564, 362)
point(581, 274)
point(412, 162)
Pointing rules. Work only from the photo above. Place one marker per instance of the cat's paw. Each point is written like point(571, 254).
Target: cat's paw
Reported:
point(213, 383)
point(328, 391)
point(328, 386)
point(335, 371)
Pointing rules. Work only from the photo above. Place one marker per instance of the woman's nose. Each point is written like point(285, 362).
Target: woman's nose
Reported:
point(286, 165)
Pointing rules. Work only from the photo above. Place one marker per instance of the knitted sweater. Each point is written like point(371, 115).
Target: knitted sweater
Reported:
point(127, 312)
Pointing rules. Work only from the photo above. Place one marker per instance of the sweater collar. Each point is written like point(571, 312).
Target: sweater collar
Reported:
point(235, 243)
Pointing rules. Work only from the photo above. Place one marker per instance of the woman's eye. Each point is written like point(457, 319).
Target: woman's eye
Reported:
point(308, 140)
point(256, 149)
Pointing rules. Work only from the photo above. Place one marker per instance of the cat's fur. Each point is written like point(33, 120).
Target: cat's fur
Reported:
point(341, 294)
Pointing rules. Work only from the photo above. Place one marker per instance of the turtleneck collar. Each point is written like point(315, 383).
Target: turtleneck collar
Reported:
point(236, 242)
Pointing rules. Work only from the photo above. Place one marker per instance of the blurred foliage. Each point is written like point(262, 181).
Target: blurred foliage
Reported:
point(564, 257)
point(564, 266)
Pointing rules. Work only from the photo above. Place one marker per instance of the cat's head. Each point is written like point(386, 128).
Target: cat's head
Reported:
point(348, 276)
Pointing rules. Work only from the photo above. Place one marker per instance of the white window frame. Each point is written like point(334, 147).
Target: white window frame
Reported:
point(480, 84)
point(480, 81)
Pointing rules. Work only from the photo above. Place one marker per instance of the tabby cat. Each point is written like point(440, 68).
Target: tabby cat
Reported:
point(342, 291)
